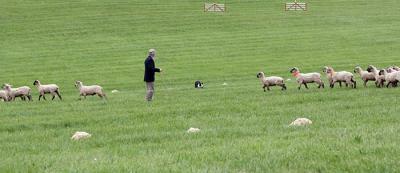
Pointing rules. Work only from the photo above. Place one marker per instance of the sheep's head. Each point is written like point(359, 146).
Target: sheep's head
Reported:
point(260, 74)
point(294, 70)
point(36, 82)
point(370, 68)
point(78, 83)
point(7, 86)
point(382, 72)
point(325, 69)
point(357, 69)
point(390, 70)
point(329, 70)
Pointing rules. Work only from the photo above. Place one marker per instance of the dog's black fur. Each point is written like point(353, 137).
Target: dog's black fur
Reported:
point(198, 84)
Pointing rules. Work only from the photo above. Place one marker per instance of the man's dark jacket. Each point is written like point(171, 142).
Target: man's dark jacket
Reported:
point(150, 69)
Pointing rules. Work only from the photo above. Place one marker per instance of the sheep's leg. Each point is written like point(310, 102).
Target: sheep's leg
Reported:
point(340, 84)
point(305, 84)
point(283, 87)
point(354, 83)
point(44, 98)
point(268, 88)
point(58, 94)
point(332, 84)
point(264, 87)
point(40, 97)
point(299, 86)
point(387, 86)
point(365, 83)
point(54, 96)
point(29, 97)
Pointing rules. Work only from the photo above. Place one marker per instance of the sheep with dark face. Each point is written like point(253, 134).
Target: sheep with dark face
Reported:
point(365, 75)
point(342, 76)
point(391, 78)
point(89, 90)
point(304, 78)
point(21, 92)
point(379, 79)
point(52, 89)
point(271, 81)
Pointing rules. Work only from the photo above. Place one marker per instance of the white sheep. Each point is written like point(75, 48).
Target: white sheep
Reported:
point(342, 76)
point(89, 90)
point(304, 78)
point(271, 81)
point(52, 89)
point(329, 77)
point(378, 79)
point(391, 78)
point(365, 75)
point(21, 92)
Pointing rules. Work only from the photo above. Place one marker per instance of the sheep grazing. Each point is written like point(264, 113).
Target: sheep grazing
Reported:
point(89, 90)
point(21, 92)
point(342, 76)
point(271, 81)
point(52, 89)
point(365, 75)
point(391, 78)
point(396, 68)
point(304, 78)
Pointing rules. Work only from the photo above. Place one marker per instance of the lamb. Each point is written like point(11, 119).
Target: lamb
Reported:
point(52, 89)
point(391, 78)
point(304, 78)
point(365, 75)
point(89, 90)
point(21, 92)
point(375, 71)
point(329, 77)
point(342, 76)
point(271, 81)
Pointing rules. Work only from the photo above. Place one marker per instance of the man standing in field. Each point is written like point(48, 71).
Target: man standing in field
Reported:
point(149, 74)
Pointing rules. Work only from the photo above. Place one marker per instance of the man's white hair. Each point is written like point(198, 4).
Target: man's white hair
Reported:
point(152, 50)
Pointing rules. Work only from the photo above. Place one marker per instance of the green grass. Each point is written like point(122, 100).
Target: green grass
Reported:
point(243, 129)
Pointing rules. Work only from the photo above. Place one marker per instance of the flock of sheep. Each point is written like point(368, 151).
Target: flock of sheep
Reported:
point(390, 75)
point(9, 94)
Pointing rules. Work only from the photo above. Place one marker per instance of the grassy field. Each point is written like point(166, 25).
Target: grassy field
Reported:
point(243, 129)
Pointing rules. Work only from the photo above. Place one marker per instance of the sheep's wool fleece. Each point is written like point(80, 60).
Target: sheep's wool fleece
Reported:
point(301, 122)
point(114, 91)
point(193, 130)
point(80, 135)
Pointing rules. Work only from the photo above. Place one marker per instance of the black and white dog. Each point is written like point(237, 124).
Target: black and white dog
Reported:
point(198, 84)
